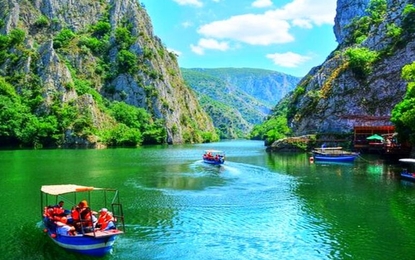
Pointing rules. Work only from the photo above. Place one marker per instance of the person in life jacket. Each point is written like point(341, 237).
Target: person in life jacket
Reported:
point(79, 213)
point(88, 219)
point(76, 211)
point(105, 220)
point(60, 209)
point(48, 217)
point(63, 228)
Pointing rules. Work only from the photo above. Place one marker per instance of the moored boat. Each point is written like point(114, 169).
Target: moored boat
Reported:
point(215, 157)
point(405, 173)
point(334, 154)
point(87, 239)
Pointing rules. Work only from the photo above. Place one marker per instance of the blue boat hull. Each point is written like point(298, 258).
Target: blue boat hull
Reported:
point(408, 176)
point(342, 158)
point(214, 162)
point(91, 245)
point(85, 245)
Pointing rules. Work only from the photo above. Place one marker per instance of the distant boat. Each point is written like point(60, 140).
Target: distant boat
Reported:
point(215, 157)
point(407, 174)
point(333, 154)
point(93, 242)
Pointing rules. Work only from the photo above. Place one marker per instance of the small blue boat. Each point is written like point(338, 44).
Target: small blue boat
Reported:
point(92, 241)
point(215, 157)
point(407, 174)
point(334, 154)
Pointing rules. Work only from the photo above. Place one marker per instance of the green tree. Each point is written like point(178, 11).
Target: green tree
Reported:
point(123, 38)
point(155, 133)
point(95, 45)
point(403, 114)
point(377, 10)
point(129, 115)
point(127, 61)
point(63, 38)
point(102, 28)
point(17, 36)
point(361, 60)
point(122, 135)
point(271, 130)
point(408, 19)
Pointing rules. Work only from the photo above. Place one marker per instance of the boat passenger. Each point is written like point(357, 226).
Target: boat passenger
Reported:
point(76, 214)
point(60, 209)
point(64, 229)
point(60, 204)
point(48, 217)
point(105, 220)
point(76, 210)
point(87, 219)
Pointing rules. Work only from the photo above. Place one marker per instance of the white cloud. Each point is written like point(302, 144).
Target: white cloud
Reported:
point(196, 3)
point(197, 49)
point(250, 28)
point(316, 12)
point(271, 27)
point(210, 44)
point(288, 59)
point(262, 3)
point(302, 23)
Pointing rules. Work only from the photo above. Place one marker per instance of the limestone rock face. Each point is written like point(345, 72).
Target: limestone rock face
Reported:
point(335, 96)
point(154, 84)
point(346, 11)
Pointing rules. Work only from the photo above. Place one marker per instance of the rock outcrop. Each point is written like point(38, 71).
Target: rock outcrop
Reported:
point(108, 48)
point(343, 93)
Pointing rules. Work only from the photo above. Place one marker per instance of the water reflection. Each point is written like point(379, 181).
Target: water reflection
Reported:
point(255, 206)
point(355, 202)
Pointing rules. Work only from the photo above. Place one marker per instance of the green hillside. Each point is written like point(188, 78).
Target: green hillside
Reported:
point(238, 99)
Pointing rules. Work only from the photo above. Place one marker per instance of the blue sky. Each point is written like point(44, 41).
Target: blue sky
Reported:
point(289, 36)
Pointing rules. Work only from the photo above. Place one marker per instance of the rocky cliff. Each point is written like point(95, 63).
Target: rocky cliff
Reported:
point(89, 53)
point(360, 82)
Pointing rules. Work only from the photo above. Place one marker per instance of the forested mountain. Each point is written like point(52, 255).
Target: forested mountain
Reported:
point(238, 98)
point(91, 73)
point(362, 81)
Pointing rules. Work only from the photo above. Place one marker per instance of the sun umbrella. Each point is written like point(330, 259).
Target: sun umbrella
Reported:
point(375, 137)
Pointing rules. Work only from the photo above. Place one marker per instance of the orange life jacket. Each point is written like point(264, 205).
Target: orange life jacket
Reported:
point(103, 220)
point(75, 214)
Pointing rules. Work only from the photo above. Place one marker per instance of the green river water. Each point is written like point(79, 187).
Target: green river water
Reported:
point(255, 206)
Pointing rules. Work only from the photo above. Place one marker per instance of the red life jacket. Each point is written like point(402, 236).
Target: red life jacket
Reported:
point(75, 214)
point(103, 220)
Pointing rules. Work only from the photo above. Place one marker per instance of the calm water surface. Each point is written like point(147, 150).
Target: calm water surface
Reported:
point(256, 206)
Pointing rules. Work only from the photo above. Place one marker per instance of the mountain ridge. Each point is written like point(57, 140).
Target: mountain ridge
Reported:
point(244, 97)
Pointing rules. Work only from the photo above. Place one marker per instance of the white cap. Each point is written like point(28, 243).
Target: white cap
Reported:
point(103, 210)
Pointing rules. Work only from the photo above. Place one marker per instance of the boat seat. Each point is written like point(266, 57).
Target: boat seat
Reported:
point(106, 233)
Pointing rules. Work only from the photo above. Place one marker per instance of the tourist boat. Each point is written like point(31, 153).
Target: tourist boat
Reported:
point(333, 154)
point(93, 242)
point(406, 174)
point(214, 157)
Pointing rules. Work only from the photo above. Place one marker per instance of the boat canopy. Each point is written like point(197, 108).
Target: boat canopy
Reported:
point(407, 160)
point(65, 188)
point(214, 151)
